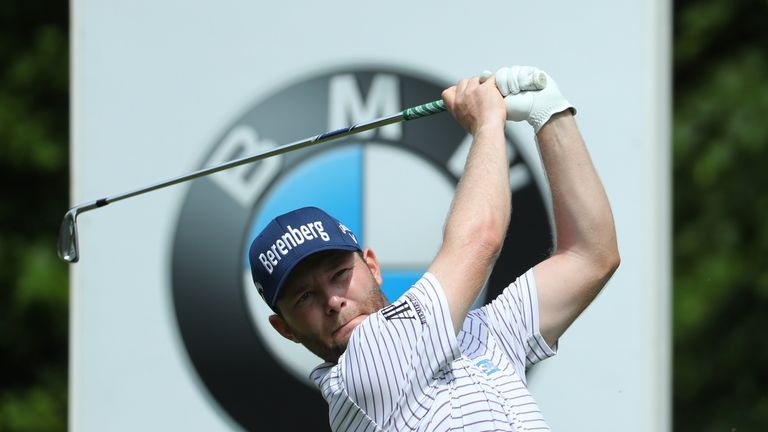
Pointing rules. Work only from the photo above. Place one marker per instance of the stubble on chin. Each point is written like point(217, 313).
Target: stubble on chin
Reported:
point(373, 302)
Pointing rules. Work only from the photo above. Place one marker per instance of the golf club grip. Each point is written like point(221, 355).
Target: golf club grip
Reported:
point(424, 110)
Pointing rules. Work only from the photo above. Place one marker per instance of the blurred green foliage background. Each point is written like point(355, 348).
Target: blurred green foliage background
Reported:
point(720, 214)
point(720, 202)
point(34, 183)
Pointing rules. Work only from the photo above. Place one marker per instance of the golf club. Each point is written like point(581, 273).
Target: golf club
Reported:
point(68, 248)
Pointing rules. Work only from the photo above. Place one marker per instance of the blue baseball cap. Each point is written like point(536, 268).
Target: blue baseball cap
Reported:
point(287, 240)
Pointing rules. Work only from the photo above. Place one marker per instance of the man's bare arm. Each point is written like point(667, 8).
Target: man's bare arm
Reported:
point(477, 223)
point(586, 254)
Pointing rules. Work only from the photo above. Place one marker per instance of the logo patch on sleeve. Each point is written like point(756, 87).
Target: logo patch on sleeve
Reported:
point(399, 310)
point(416, 306)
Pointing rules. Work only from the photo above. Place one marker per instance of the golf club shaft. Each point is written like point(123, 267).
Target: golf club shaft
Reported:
point(405, 115)
point(68, 248)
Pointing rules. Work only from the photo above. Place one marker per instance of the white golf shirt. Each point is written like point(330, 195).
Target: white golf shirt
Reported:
point(404, 368)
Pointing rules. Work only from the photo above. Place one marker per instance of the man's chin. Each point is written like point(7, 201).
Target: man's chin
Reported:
point(341, 335)
point(341, 338)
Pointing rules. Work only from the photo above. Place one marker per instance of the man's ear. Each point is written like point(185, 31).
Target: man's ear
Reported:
point(279, 324)
point(370, 259)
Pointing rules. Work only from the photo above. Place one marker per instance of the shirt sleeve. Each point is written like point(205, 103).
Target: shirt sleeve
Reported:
point(394, 355)
point(514, 321)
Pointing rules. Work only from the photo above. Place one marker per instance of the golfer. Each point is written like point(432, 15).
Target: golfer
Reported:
point(426, 362)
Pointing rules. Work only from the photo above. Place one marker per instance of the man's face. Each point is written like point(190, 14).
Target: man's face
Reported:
point(325, 297)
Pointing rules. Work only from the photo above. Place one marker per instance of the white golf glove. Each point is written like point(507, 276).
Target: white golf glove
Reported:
point(529, 94)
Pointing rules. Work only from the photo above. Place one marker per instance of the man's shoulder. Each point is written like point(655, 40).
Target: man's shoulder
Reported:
point(320, 372)
point(475, 325)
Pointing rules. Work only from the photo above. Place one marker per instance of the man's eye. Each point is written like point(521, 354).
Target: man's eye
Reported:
point(303, 297)
point(342, 273)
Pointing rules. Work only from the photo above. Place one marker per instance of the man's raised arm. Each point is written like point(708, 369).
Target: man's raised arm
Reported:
point(477, 222)
point(586, 254)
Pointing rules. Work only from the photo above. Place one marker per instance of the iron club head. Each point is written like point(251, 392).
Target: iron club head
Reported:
point(67, 245)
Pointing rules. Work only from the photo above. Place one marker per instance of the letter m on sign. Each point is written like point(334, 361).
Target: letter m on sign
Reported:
point(348, 106)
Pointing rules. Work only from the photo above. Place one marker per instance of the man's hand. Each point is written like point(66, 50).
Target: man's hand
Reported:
point(529, 94)
point(475, 105)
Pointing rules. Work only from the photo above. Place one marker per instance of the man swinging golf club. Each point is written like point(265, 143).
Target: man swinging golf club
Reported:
point(426, 362)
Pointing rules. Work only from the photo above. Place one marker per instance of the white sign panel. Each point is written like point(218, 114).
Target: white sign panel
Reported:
point(167, 332)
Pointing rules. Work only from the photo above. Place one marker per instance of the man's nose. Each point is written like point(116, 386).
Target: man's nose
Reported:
point(336, 303)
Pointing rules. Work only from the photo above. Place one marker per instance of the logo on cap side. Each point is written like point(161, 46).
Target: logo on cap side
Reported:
point(260, 288)
point(348, 232)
